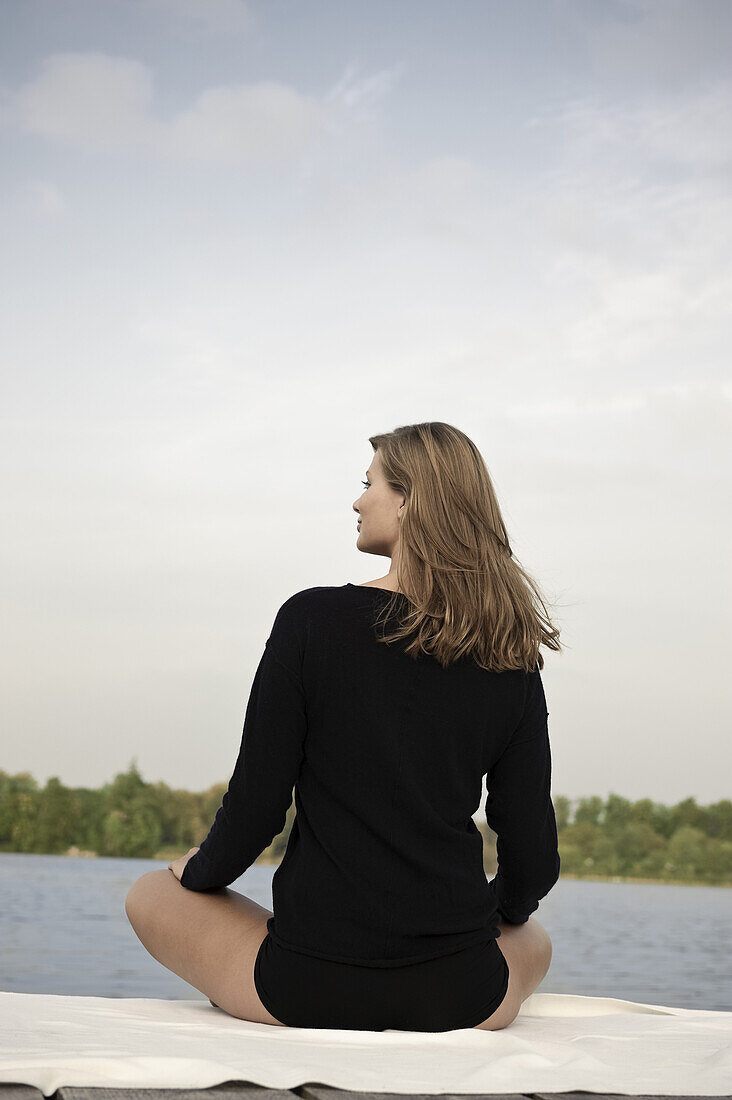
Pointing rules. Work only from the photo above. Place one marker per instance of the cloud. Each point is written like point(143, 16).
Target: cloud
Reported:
point(360, 97)
point(687, 128)
point(259, 123)
point(636, 209)
point(107, 102)
point(88, 97)
point(690, 131)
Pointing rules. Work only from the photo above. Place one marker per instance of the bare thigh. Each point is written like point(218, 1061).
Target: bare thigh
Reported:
point(527, 949)
point(210, 940)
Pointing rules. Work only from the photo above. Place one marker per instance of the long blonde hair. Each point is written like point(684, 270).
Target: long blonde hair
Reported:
point(467, 593)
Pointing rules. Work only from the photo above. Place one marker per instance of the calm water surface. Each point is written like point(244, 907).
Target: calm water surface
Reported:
point(63, 930)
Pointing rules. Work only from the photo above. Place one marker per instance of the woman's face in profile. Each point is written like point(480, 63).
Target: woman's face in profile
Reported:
point(378, 510)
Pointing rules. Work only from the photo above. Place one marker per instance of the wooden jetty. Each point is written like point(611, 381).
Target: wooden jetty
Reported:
point(237, 1090)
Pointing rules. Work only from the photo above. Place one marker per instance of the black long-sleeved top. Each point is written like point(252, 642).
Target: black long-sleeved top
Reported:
point(386, 755)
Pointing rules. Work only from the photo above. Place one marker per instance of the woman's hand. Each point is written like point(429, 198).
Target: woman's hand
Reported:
point(178, 865)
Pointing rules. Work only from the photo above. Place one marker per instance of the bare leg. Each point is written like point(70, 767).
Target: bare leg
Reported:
point(210, 940)
point(528, 952)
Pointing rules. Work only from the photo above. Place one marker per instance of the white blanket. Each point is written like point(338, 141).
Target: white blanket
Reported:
point(557, 1043)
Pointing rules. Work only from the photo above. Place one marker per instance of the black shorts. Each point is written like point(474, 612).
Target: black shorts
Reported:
point(459, 990)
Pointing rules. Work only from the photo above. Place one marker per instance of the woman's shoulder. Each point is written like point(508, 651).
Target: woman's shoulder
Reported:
point(305, 613)
point(315, 596)
point(302, 605)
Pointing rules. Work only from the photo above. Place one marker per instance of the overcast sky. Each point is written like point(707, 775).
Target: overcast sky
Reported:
point(239, 238)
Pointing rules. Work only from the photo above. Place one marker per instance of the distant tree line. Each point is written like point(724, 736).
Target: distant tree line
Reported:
point(598, 838)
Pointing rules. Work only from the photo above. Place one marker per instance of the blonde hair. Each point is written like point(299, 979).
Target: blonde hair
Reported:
point(467, 592)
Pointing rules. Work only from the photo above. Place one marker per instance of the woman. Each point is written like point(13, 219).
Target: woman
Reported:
point(383, 705)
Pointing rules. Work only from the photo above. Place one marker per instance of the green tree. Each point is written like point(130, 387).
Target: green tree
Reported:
point(93, 810)
point(689, 813)
point(562, 811)
point(719, 819)
point(588, 811)
point(180, 818)
point(23, 807)
point(643, 812)
point(133, 834)
point(604, 858)
point(59, 815)
point(17, 811)
point(583, 836)
point(647, 812)
point(617, 813)
point(131, 826)
point(687, 851)
point(633, 843)
point(719, 861)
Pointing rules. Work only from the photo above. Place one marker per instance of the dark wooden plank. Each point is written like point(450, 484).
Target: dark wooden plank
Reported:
point(617, 1096)
point(9, 1091)
point(244, 1090)
point(326, 1092)
point(229, 1090)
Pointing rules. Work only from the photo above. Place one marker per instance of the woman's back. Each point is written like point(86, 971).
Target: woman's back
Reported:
point(384, 863)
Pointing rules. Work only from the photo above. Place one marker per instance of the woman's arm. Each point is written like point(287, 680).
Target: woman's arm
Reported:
point(255, 805)
point(519, 810)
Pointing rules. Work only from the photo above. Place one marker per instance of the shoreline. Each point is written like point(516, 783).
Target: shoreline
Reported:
point(76, 853)
point(647, 881)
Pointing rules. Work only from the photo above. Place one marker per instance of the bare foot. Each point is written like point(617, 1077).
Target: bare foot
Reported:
point(213, 1003)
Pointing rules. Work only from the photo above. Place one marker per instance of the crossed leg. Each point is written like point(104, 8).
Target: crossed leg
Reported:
point(210, 940)
point(527, 949)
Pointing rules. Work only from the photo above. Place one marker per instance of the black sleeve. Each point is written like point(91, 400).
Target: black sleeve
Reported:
point(520, 812)
point(259, 794)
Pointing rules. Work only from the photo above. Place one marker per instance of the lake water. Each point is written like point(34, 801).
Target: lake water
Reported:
point(63, 930)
